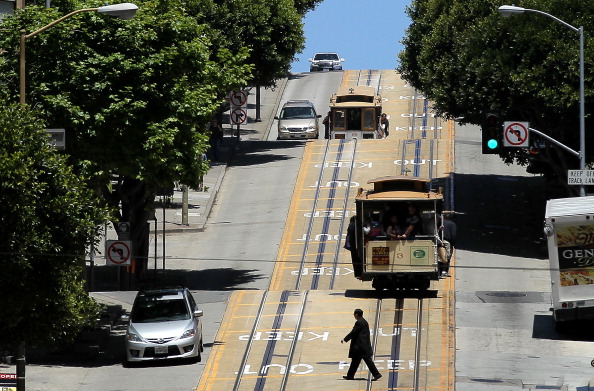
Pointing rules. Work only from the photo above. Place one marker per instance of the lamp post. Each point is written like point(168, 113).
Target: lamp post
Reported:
point(508, 10)
point(122, 11)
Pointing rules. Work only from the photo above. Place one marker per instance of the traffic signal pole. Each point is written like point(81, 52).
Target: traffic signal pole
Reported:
point(549, 138)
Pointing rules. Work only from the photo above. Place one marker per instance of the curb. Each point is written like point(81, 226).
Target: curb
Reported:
point(263, 128)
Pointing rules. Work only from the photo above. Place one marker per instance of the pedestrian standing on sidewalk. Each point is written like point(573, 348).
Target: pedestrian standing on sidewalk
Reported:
point(215, 139)
point(360, 348)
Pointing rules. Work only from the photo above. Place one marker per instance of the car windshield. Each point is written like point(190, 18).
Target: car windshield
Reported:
point(326, 56)
point(297, 112)
point(158, 309)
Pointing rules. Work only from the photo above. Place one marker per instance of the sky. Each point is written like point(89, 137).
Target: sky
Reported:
point(366, 33)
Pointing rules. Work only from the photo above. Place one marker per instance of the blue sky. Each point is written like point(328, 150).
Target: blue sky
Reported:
point(366, 33)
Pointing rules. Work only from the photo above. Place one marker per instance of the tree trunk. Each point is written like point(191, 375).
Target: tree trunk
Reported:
point(136, 201)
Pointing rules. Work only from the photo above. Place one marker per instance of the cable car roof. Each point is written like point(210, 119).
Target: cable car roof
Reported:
point(399, 188)
point(356, 96)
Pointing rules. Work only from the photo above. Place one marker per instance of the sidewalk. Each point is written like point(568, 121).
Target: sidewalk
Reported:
point(200, 202)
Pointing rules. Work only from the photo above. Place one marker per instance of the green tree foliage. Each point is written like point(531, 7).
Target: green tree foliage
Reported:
point(304, 6)
point(272, 30)
point(134, 96)
point(471, 61)
point(48, 217)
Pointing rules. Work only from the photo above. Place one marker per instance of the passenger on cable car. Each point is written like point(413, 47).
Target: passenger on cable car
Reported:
point(373, 230)
point(412, 223)
point(387, 216)
point(394, 229)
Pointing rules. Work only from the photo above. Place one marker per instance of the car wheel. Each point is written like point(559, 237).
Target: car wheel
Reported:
point(201, 345)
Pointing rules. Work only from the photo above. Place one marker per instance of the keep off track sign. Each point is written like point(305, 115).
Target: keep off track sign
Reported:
point(515, 134)
point(118, 252)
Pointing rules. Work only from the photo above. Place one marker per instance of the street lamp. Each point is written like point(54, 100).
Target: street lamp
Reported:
point(122, 11)
point(508, 10)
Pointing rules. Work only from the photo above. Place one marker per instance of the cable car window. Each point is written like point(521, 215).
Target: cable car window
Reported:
point(338, 119)
point(354, 121)
point(368, 119)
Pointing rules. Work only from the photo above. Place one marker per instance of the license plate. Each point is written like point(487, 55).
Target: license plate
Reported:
point(161, 350)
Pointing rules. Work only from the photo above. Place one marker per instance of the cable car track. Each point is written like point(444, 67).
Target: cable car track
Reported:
point(400, 347)
point(270, 354)
point(404, 356)
point(332, 195)
point(285, 338)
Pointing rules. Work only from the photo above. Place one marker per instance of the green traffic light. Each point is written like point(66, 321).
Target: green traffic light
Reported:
point(492, 143)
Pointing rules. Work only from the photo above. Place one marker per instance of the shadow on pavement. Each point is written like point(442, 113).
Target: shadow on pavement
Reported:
point(221, 279)
point(504, 214)
point(387, 294)
point(255, 152)
point(94, 347)
point(544, 328)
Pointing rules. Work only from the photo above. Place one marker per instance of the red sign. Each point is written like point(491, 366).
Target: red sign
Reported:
point(515, 134)
point(238, 116)
point(118, 252)
point(238, 98)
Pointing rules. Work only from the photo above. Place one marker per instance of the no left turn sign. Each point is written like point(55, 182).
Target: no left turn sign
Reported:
point(238, 98)
point(515, 134)
point(118, 252)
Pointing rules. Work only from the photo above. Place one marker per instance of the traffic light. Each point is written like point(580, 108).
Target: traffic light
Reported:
point(492, 134)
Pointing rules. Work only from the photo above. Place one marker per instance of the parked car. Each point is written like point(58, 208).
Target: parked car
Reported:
point(164, 323)
point(298, 119)
point(329, 61)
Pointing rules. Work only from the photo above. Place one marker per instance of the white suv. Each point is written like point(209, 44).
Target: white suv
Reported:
point(329, 61)
point(298, 119)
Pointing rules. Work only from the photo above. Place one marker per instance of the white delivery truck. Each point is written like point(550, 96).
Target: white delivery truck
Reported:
point(569, 227)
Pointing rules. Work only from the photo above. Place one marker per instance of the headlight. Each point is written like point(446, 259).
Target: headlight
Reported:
point(188, 333)
point(134, 337)
point(282, 128)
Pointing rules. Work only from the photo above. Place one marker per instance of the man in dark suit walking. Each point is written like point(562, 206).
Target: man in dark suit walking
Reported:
point(360, 348)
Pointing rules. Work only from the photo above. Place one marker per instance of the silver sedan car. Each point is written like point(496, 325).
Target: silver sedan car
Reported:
point(164, 324)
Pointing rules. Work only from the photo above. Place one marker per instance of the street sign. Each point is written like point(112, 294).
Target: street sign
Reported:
point(238, 99)
point(57, 138)
point(118, 252)
point(580, 177)
point(515, 134)
point(238, 116)
point(123, 230)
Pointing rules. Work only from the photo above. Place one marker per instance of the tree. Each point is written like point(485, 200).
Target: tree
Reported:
point(304, 6)
point(272, 30)
point(470, 61)
point(48, 218)
point(134, 96)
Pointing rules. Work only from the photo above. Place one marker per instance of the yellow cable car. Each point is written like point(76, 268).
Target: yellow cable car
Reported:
point(405, 256)
point(355, 112)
